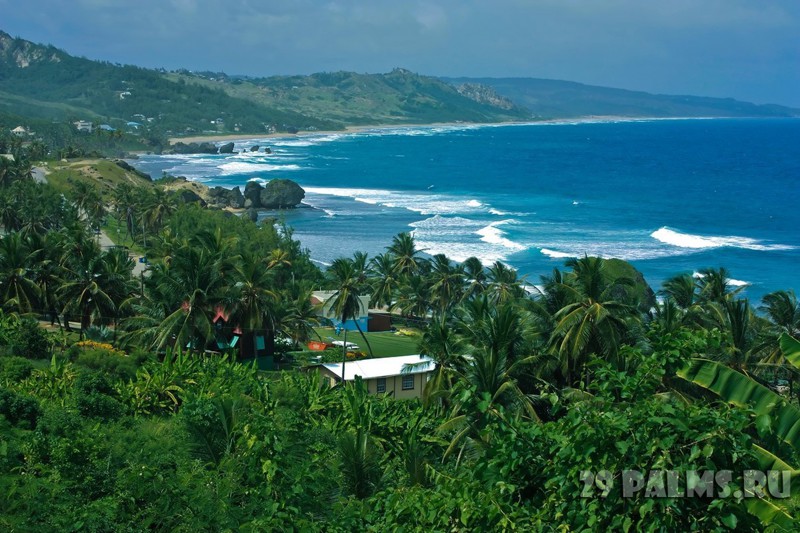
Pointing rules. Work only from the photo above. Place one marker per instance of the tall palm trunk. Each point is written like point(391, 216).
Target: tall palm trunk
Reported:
point(358, 327)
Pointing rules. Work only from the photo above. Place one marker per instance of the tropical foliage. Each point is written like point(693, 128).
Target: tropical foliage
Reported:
point(123, 405)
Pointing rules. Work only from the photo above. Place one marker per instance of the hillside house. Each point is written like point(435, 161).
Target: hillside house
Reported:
point(403, 377)
point(19, 131)
point(83, 125)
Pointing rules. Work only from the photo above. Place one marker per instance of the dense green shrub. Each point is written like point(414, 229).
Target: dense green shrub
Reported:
point(111, 363)
point(14, 369)
point(18, 409)
point(95, 397)
point(28, 340)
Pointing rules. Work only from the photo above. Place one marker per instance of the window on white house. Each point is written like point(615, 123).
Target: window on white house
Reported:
point(408, 382)
point(381, 385)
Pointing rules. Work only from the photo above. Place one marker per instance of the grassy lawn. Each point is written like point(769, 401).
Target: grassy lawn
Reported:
point(384, 343)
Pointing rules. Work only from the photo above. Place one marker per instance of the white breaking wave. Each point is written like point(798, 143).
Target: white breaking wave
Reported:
point(424, 204)
point(452, 236)
point(492, 234)
point(609, 246)
point(729, 281)
point(699, 242)
point(555, 254)
point(306, 140)
point(228, 169)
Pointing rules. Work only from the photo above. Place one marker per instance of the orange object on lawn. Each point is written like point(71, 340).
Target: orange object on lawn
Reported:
point(317, 346)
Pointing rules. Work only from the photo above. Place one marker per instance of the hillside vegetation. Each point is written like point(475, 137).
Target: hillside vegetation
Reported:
point(45, 90)
point(129, 400)
point(43, 82)
point(397, 97)
point(566, 99)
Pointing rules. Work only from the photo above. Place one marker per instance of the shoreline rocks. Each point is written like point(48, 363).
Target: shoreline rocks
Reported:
point(278, 194)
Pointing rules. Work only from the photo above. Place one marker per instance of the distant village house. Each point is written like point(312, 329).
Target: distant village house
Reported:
point(83, 125)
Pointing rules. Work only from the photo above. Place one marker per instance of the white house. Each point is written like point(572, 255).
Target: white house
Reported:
point(19, 131)
point(401, 377)
point(83, 125)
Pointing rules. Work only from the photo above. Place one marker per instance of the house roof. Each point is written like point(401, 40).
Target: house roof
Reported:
point(382, 367)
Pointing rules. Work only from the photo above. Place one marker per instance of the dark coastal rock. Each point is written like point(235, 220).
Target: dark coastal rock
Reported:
point(194, 148)
point(252, 192)
point(255, 148)
point(252, 214)
point(267, 150)
point(281, 193)
point(218, 192)
point(236, 198)
point(226, 148)
point(222, 197)
point(124, 165)
point(189, 197)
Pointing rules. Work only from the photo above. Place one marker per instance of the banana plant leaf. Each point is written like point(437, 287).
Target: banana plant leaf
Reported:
point(740, 390)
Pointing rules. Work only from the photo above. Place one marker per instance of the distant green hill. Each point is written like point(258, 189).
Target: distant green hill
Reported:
point(42, 85)
point(398, 97)
point(44, 82)
point(565, 99)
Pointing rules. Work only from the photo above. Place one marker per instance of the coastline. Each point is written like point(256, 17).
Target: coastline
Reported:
point(588, 119)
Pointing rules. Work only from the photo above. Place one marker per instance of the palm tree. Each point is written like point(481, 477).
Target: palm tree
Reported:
point(447, 282)
point(10, 216)
point(18, 288)
point(497, 337)
point(741, 339)
point(405, 253)
point(253, 304)
point(504, 285)
point(191, 288)
point(783, 310)
point(160, 206)
point(681, 290)
point(591, 323)
point(413, 299)
point(714, 285)
point(349, 276)
point(88, 201)
point(476, 277)
point(86, 288)
point(441, 343)
point(297, 319)
point(384, 281)
point(49, 276)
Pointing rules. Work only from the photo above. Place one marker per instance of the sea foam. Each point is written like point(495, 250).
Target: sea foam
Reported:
point(424, 204)
point(492, 234)
point(699, 242)
point(228, 169)
point(453, 236)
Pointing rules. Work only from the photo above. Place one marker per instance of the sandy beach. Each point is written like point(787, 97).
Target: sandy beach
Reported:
point(243, 136)
point(355, 129)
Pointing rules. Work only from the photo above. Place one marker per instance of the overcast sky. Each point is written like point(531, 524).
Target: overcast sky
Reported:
point(745, 49)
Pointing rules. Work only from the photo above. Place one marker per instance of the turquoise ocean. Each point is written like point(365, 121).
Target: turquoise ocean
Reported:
point(670, 196)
